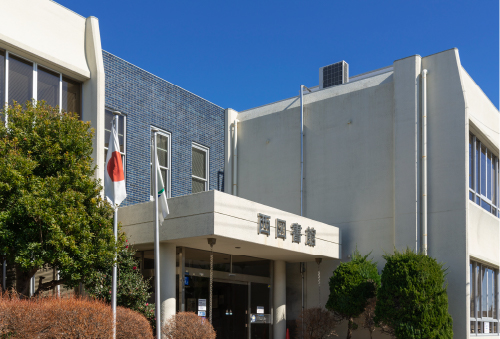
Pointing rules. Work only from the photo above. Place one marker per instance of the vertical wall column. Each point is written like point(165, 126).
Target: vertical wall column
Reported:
point(279, 299)
point(167, 280)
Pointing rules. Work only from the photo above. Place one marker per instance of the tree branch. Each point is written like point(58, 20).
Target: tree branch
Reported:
point(42, 287)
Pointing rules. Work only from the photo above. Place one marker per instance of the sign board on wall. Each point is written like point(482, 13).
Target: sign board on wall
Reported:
point(260, 309)
point(202, 304)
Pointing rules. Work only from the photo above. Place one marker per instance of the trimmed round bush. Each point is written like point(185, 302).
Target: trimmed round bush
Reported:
point(187, 325)
point(412, 300)
point(132, 324)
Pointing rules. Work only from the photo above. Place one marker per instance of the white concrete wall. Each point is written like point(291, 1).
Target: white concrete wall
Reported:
point(42, 30)
point(482, 119)
point(53, 36)
point(362, 168)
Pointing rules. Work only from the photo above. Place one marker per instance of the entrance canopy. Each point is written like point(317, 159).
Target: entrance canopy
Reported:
point(241, 227)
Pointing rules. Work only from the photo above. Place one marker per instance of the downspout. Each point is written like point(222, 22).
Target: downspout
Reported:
point(235, 158)
point(302, 264)
point(424, 160)
point(302, 147)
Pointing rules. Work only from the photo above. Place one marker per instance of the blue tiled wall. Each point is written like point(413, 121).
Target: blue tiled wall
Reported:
point(148, 100)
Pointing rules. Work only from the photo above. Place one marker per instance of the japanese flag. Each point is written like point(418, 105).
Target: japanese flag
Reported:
point(114, 178)
point(162, 194)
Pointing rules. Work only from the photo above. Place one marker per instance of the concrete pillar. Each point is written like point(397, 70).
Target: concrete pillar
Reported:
point(279, 300)
point(167, 281)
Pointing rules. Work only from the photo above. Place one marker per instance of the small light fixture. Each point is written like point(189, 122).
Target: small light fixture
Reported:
point(237, 247)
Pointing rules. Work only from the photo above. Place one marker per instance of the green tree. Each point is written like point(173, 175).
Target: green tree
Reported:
point(352, 285)
point(132, 288)
point(51, 210)
point(412, 300)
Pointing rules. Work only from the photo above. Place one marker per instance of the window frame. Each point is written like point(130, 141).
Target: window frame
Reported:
point(475, 289)
point(35, 81)
point(124, 153)
point(207, 165)
point(491, 183)
point(168, 185)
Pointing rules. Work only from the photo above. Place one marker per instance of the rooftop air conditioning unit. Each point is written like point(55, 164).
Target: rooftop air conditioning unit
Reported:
point(334, 74)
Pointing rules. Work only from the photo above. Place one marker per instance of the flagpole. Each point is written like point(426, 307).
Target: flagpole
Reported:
point(157, 242)
point(115, 233)
point(113, 288)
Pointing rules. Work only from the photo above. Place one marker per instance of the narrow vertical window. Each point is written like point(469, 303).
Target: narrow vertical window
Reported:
point(20, 80)
point(48, 86)
point(483, 170)
point(471, 162)
point(71, 96)
point(471, 290)
point(163, 151)
point(199, 169)
point(2, 77)
point(108, 120)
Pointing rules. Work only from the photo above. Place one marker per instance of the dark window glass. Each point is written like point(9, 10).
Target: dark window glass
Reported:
point(197, 185)
point(108, 122)
point(199, 163)
point(471, 196)
point(201, 259)
point(2, 77)
point(478, 167)
point(488, 176)
point(471, 162)
point(162, 149)
point(494, 183)
point(471, 290)
point(48, 86)
point(484, 289)
point(251, 266)
point(483, 170)
point(20, 80)
point(71, 96)
point(485, 205)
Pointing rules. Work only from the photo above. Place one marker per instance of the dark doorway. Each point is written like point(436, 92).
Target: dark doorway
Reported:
point(230, 307)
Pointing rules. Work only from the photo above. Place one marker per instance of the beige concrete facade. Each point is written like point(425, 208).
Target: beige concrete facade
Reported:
point(51, 35)
point(362, 169)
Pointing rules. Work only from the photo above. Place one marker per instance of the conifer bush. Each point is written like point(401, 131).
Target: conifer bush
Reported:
point(352, 285)
point(413, 300)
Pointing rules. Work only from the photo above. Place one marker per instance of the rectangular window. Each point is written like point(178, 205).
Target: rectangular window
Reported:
point(483, 298)
point(48, 86)
point(199, 168)
point(20, 80)
point(27, 80)
point(71, 96)
point(2, 77)
point(483, 176)
point(108, 121)
point(163, 151)
point(471, 161)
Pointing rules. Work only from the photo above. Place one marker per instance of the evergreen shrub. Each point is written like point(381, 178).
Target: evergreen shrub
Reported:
point(412, 300)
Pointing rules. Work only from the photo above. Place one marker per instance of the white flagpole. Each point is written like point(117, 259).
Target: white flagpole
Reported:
point(157, 242)
point(113, 288)
point(115, 233)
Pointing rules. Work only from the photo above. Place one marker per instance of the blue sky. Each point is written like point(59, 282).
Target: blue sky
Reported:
point(242, 54)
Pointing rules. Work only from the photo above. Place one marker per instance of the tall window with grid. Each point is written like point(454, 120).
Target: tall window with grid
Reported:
point(483, 290)
point(483, 176)
point(199, 168)
point(163, 150)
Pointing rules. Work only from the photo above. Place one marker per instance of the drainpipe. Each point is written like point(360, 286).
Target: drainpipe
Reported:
point(424, 160)
point(302, 147)
point(235, 158)
point(302, 264)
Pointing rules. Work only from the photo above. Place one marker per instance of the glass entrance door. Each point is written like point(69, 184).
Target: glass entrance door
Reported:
point(230, 310)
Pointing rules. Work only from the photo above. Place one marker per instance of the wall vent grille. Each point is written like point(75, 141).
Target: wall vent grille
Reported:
point(334, 74)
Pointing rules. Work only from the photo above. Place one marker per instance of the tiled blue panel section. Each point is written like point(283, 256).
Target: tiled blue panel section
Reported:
point(148, 100)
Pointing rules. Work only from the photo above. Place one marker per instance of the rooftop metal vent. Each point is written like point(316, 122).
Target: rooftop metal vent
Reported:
point(334, 74)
